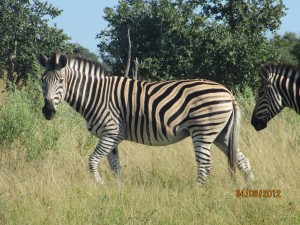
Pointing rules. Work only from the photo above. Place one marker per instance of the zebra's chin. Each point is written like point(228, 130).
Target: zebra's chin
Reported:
point(258, 124)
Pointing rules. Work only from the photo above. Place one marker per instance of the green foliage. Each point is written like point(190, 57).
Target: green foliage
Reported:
point(21, 123)
point(223, 41)
point(24, 32)
point(84, 52)
point(289, 45)
point(296, 50)
point(245, 96)
point(161, 36)
point(260, 16)
point(231, 58)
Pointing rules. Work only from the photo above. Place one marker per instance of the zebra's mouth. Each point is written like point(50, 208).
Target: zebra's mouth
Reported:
point(49, 109)
point(48, 113)
point(258, 124)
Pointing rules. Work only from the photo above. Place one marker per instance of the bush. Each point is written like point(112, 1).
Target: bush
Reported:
point(246, 100)
point(21, 122)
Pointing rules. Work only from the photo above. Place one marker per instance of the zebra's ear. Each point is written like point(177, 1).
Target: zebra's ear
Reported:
point(264, 73)
point(63, 60)
point(42, 60)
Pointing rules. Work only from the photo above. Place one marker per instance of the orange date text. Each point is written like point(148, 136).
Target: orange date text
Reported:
point(258, 193)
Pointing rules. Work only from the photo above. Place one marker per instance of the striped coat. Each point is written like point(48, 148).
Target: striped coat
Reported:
point(280, 88)
point(151, 113)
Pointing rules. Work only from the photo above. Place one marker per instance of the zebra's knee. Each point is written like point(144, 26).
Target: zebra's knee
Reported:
point(93, 164)
point(93, 160)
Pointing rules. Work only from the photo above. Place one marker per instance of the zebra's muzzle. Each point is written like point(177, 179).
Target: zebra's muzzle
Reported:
point(258, 124)
point(49, 110)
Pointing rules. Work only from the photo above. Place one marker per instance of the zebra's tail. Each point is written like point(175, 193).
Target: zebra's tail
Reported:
point(234, 138)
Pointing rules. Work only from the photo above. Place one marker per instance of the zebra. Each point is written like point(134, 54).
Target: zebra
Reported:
point(151, 113)
point(280, 86)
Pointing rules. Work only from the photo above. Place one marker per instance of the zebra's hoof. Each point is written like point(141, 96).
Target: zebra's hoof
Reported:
point(98, 180)
point(249, 178)
point(200, 183)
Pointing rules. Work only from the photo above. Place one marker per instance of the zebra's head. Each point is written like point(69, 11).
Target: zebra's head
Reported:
point(53, 82)
point(268, 100)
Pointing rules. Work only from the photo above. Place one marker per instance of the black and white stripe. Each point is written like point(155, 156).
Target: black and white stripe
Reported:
point(157, 113)
point(280, 88)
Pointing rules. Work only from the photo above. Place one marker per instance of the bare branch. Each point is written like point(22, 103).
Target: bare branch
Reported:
point(129, 53)
point(135, 70)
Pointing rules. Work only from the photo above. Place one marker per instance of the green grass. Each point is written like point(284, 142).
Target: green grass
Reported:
point(158, 183)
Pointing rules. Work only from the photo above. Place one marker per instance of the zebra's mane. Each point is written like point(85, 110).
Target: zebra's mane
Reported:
point(74, 60)
point(79, 59)
point(83, 59)
point(278, 68)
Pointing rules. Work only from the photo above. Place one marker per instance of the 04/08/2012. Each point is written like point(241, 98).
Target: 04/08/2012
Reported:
point(258, 193)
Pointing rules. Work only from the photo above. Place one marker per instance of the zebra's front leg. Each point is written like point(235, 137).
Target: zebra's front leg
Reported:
point(114, 162)
point(105, 145)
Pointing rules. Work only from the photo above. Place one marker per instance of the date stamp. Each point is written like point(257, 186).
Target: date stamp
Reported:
point(258, 193)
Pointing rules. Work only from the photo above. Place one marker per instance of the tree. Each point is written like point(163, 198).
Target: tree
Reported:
point(288, 48)
point(219, 40)
point(158, 32)
point(259, 16)
point(24, 32)
point(296, 50)
point(84, 52)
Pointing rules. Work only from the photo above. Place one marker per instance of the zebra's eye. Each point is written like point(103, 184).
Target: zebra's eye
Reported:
point(61, 80)
point(260, 93)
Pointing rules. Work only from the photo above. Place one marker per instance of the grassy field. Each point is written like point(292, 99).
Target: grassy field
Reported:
point(158, 183)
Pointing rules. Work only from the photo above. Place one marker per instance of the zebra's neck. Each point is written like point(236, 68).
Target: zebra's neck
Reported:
point(287, 81)
point(83, 78)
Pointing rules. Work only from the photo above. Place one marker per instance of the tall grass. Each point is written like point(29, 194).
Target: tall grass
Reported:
point(44, 177)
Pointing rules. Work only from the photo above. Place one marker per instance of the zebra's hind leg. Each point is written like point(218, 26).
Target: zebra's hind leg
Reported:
point(202, 152)
point(114, 162)
point(242, 161)
point(244, 166)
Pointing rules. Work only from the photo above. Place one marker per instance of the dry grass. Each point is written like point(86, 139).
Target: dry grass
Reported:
point(158, 184)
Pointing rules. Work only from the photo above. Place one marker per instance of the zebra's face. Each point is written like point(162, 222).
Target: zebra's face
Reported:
point(53, 89)
point(268, 104)
point(53, 83)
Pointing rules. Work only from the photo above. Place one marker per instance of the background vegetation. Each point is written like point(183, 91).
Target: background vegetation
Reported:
point(25, 32)
point(218, 40)
point(44, 176)
point(225, 41)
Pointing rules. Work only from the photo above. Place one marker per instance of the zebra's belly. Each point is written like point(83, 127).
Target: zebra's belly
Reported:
point(161, 140)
